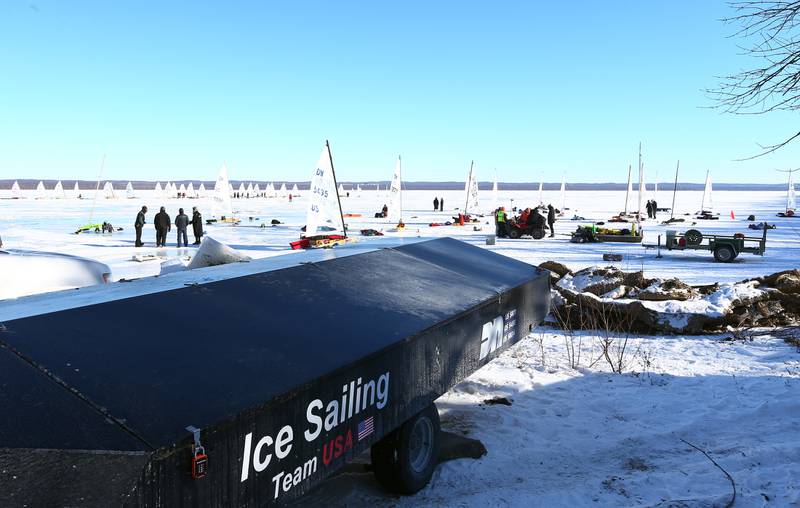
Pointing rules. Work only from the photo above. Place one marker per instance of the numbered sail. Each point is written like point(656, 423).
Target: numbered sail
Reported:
point(791, 200)
point(221, 201)
point(396, 194)
point(707, 205)
point(471, 188)
point(323, 215)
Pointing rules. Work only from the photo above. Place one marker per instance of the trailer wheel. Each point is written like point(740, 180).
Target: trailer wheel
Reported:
point(514, 233)
point(693, 237)
point(724, 253)
point(404, 460)
point(537, 233)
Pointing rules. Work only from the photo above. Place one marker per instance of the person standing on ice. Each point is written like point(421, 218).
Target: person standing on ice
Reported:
point(500, 222)
point(181, 223)
point(138, 225)
point(654, 206)
point(197, 225)
point(435, 204)
point(441, 204)
point(163, 224)
point(551, 219)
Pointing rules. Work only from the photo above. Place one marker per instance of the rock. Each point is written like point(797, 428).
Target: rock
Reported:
point(670, 289)
point(556, 267)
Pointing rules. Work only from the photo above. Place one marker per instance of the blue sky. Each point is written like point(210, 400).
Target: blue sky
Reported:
point(171, 89)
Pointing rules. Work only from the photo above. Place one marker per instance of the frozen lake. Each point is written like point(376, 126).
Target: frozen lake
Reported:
point(48, 224)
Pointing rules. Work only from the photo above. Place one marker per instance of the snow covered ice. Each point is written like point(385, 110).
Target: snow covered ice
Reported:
point(573, 436)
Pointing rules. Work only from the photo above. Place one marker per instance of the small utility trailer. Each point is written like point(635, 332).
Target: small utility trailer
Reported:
point(725, 248)
point(248, 384)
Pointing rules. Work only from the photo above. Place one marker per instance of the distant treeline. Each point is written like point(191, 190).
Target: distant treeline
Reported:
point(87, 185)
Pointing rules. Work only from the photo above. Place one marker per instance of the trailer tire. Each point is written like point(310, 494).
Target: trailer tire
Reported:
point(514, 233)
point(404, 460)
point(724, 253)
point(693, 237)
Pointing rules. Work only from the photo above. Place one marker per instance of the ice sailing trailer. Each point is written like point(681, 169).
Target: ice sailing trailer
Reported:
point(281, 369)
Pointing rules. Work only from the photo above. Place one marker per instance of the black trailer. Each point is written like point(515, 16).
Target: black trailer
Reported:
point(246, 385)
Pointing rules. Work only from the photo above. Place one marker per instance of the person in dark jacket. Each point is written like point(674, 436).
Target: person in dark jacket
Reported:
point(551, 219)
point(441, 204)
point(163, 224)
point(654, 206)
point(197, 225)
point(435, 204)
point(138, 225)
point(649, 208)
point(181, 223)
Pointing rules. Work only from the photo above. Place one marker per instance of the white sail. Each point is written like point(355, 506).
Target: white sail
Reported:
point(270, 190)
point(323, 206)
point(16, 193)
point(495, 193)
point(221, 201)
point(249, 190)
point(129, 191)
point(201, 191)
point(341, 190)
point(396, 194)
point(642, 188)
point(190, 193)
point(707, 205)
point(41, 192)
point(58, 191)
point(108, 190)
point(76, 190)
point(541, 191)
point(242, 190)
point(563, 193)
point(471, 189)
point(295, 190)
point(256, 190)
point(629, 191)
point(791, 200)
point(182, 189)
point(283, 193)
point(158, 191)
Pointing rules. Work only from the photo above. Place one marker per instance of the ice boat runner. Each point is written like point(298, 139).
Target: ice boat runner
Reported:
point(324, 219)
point(222, 207)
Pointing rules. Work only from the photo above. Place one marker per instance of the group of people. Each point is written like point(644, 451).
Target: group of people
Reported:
point(652, 208)
point(529, 217)
point(163, 225)
point(438, 204)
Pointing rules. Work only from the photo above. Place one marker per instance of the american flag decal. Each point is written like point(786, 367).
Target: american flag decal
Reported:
point(365, 428)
